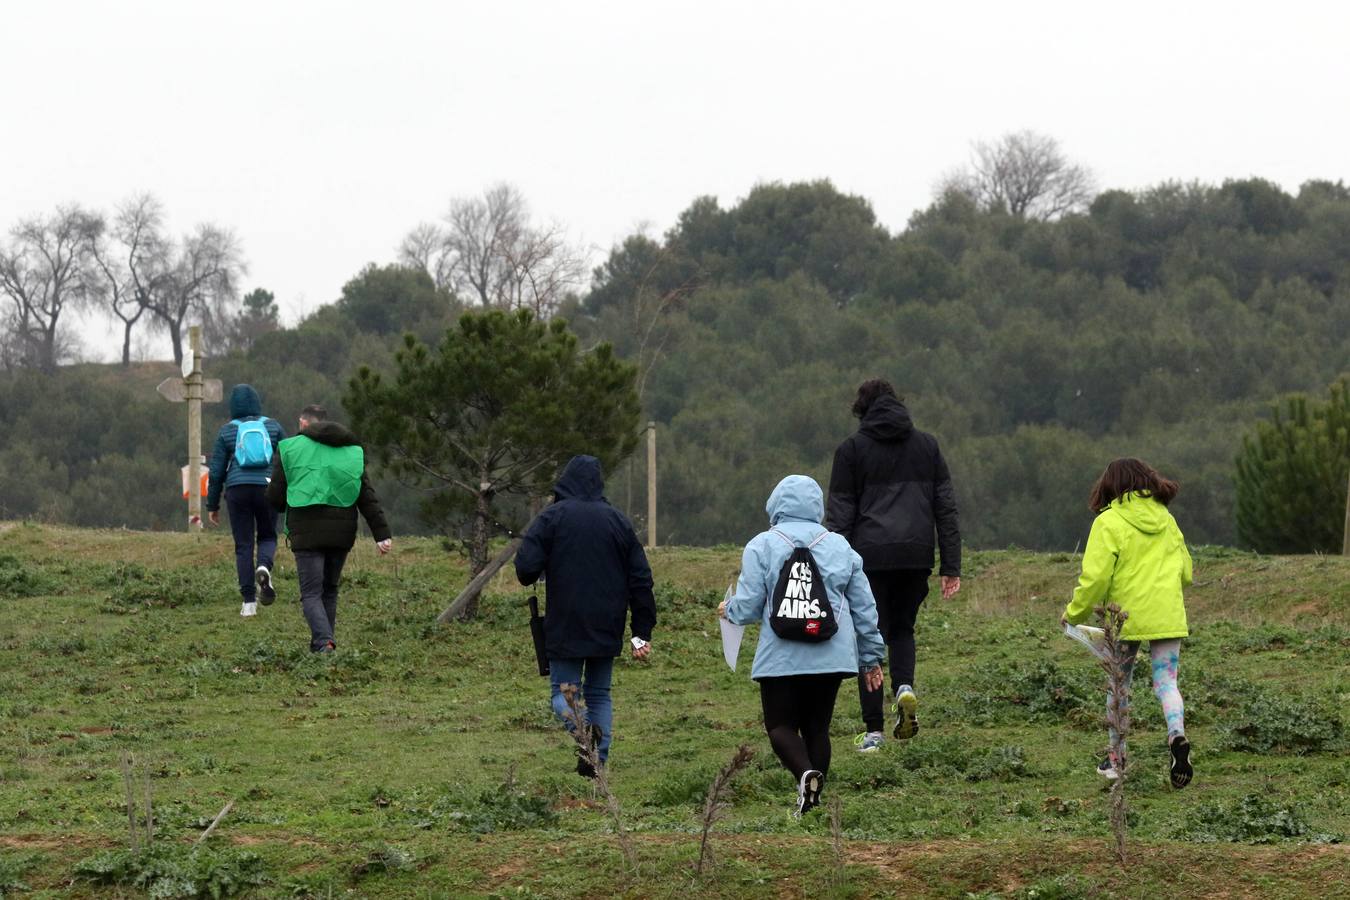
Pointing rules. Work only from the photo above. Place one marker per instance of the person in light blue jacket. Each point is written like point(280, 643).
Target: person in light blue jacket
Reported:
point(798, 681)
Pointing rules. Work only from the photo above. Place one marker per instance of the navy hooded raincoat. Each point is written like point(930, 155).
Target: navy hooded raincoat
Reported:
point(595, 568)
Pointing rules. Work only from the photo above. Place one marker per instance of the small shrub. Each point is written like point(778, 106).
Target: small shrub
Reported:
point(1269, 724)
point(12, 869)
point(1252, 820)
point(1040, 691)
point(998, 764)
point(385, 858)
point(1059, 887)
point(681, 788)
point(23, 579)
point(505, 808)
point(176, 870)
point(132, 587)
point(538, 717)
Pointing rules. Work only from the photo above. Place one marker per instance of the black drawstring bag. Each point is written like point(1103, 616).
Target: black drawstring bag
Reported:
point(537, 632)
point(801, 609)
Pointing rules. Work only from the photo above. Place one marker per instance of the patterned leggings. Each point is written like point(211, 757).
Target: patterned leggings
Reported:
point(1165, 656)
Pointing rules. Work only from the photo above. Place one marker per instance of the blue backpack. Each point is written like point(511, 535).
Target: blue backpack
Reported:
point(252, 444)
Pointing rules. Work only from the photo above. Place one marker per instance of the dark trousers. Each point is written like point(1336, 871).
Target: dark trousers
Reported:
point(899, 594)
point(319, 572)
point(250, 515)
point(797, 714)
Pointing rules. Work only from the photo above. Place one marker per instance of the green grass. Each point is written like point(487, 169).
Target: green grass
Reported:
point(422, 761)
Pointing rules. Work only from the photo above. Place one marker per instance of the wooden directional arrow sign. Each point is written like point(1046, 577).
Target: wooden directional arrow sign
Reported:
point(174, 390)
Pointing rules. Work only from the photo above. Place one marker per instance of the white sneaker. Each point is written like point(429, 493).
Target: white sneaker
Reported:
point(249, 609)
point(869, 741)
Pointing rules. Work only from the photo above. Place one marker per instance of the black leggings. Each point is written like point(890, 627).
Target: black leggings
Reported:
point(797, 713)
point(899, 594)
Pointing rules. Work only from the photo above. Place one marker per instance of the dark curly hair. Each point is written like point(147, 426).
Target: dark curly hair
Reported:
point(1129, 474)
point(869, 391)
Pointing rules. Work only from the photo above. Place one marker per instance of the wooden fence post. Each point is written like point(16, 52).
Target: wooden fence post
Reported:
point(651, 485)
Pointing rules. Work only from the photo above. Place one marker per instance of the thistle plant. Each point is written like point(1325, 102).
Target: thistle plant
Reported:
point(589, 750)
point(717, 801)
point(1117, 663)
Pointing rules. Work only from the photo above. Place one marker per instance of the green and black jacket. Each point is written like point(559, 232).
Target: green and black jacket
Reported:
point(325, 461)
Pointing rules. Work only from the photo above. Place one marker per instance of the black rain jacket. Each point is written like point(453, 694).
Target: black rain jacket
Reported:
point(595, 568)
point(890, 491)
point(323, 527)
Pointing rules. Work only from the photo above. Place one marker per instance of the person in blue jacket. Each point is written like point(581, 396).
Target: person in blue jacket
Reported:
point(596, 572)
point(798, 681)
point(244, 488)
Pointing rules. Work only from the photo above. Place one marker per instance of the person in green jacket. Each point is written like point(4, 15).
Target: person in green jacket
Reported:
point(1136, 558)
point(319, 480)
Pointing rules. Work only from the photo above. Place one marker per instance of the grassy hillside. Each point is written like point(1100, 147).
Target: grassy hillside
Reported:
point(422, 760)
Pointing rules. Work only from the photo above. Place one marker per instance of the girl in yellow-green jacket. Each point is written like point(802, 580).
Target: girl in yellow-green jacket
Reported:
point(1136, 558)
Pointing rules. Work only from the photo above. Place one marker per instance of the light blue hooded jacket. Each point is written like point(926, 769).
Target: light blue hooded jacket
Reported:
point(796, 508)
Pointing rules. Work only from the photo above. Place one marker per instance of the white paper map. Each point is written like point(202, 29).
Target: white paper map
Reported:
point(731, 637)
point(1089, 637)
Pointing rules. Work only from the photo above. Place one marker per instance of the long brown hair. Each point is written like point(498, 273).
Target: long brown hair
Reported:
point(1129, 474)
point(869, 392)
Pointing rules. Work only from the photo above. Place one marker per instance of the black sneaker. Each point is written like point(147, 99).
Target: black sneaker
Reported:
point(1179, 754)
point(266, 593)
point(808, 791)
point(1106, 770)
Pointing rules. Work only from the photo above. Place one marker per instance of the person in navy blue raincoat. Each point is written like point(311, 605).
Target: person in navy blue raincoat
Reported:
point(597, 573)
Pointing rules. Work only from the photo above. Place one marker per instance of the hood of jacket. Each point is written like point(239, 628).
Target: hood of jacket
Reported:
point(580, 480)
point(1142, 511)
point(244, 401)
point(886, 420)
point(333, 434)
point(796, 498)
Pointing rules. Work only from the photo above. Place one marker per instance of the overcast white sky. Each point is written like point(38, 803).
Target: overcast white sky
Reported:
point(322, 131)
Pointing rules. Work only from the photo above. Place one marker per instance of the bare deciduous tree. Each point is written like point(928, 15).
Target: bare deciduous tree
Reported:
point(487, 249)
point(142, 270)
point(44, 273)
point(132, 258)
point(1026, 174)
point(203, 278)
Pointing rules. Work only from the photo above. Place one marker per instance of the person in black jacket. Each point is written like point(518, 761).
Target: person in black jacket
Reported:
point(596, 572)
point(322, 534)
point(890, 491)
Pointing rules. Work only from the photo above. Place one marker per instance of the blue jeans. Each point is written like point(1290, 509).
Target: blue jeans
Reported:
point(594, 675)
point(251, 514)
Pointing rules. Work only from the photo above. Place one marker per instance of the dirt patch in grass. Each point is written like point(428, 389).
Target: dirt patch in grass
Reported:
point(46, 842)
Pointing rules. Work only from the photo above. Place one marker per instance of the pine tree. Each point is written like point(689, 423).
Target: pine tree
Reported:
point(1291, 475)
point(495, 410)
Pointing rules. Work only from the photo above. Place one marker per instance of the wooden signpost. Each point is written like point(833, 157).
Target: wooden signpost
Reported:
point(194, 390)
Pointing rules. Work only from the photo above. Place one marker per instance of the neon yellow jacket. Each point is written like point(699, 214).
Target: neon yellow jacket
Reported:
point(1136, 558)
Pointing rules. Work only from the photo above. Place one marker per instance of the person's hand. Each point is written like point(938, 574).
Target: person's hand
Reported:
point(722, 609)
point(214, 516)
point(642, 652)
point(384, 546)
point(872, 678)
point(1063, 620)
point(950, 585)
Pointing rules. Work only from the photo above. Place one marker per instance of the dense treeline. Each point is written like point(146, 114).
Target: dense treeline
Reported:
point(1160, 323)
point(1157, 324)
